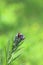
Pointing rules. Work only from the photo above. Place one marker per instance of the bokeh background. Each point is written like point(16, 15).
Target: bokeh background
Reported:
point(25, 16)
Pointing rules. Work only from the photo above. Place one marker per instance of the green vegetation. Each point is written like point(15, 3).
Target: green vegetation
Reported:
point(25, 16)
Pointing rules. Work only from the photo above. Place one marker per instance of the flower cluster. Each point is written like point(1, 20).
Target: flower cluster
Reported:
point(17, 39)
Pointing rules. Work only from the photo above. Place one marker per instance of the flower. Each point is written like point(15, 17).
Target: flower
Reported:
point(17, 39)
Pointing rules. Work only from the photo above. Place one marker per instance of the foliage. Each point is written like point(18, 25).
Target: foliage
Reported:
point(8, 52)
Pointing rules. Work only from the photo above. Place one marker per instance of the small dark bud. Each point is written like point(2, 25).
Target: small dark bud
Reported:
point(18, 38)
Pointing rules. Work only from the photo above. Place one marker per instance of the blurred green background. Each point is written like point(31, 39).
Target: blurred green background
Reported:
point(25, 16)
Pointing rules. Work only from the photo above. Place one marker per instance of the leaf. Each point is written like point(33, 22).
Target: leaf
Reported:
point(13, 59)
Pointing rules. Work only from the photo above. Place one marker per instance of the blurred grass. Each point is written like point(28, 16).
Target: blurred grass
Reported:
point(24, 16)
